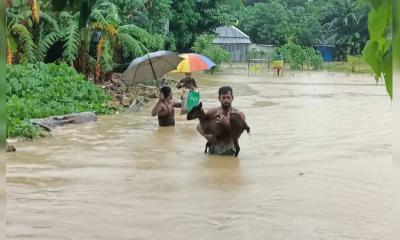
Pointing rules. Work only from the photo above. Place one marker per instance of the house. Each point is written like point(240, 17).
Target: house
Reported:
point(326, 50)
point(234, 41)
point(326, 46)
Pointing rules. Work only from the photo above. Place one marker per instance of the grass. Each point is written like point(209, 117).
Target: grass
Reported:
point(346, 67)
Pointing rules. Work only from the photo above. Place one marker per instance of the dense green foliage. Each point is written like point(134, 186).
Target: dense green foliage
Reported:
point(265, 23)
point(298, 57)
point(342, 23)
point(41, 90)
point(178, 23)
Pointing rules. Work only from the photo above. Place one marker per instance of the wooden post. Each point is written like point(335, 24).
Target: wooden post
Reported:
point(248, 67)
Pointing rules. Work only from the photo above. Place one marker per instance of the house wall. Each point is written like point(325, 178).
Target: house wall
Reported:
point(326, 52)
point(238, 51)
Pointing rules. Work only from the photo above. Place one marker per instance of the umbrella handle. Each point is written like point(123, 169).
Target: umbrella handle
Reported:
point(154, 74)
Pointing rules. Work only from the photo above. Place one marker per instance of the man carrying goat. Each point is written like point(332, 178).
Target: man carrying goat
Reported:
point(232, 119)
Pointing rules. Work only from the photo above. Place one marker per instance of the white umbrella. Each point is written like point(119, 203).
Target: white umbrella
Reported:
point(151, 66)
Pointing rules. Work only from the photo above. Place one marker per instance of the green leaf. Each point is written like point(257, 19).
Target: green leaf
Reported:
point(373, 57)
point(72, 41)
point(378, 20)
point(388, 73)
point(376, 3)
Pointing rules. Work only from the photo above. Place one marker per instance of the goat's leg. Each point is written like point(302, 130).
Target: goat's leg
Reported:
point(207, 146)
point(236, 143)
point(246, 127)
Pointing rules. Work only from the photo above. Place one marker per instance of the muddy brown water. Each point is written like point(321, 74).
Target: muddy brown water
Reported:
point(317, 165)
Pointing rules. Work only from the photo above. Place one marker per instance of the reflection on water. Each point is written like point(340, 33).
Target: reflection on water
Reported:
point(317, 165)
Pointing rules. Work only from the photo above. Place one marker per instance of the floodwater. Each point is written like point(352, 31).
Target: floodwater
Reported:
point(317, 165)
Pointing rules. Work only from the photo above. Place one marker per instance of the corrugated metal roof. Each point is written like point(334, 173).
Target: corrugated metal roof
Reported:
point(231, 34)
point(232, 40)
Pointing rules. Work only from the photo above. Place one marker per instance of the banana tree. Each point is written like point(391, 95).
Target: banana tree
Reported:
point(30, 32)
point(20, 46)
point(117, 42)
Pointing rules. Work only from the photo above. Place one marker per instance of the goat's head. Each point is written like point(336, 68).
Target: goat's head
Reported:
point(195, 112)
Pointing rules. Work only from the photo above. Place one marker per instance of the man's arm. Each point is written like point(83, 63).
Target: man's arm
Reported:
point(177, 104)
point(194, 83)
point(180, 84)
point(159, 110)
point(225, 120)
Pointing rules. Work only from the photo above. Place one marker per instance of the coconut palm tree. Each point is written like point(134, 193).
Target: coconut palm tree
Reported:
point(349, 27)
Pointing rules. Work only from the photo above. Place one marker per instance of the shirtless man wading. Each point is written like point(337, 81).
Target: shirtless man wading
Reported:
point(164, 108)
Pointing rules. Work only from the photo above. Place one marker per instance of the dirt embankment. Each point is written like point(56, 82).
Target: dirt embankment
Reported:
point(128, 95)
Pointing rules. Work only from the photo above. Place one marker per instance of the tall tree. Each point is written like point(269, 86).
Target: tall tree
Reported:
point(266, 23)
point(349, 27)
point(304, 25)
point(192, 18)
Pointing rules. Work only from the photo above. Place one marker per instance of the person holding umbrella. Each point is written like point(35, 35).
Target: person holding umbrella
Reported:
point(191, 62)
point(164, 108)
point(188, 82)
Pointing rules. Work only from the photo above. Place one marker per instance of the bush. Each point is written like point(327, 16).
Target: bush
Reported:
point(203, 45)
point(297, 56)
point(293, 54)
point(313, 58)
point(355, 62)
point(42, 90)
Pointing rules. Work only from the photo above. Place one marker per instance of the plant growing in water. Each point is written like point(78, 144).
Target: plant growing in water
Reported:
point(43, 90)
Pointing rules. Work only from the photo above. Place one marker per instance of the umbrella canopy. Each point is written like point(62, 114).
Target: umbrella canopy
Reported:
point(194, 62)
point(151, 66)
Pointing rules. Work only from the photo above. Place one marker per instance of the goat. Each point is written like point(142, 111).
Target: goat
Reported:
point(210, 126)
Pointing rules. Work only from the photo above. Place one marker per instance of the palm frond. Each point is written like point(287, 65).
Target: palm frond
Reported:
point(131, 46)
point(28, 47)
point(50, 19)
point(111, 11)
point(72, 41)
point(45, 42)
point(65, 14)
point(23, 15)
point(10, 23)
point(139, 34)
point(98, 17)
